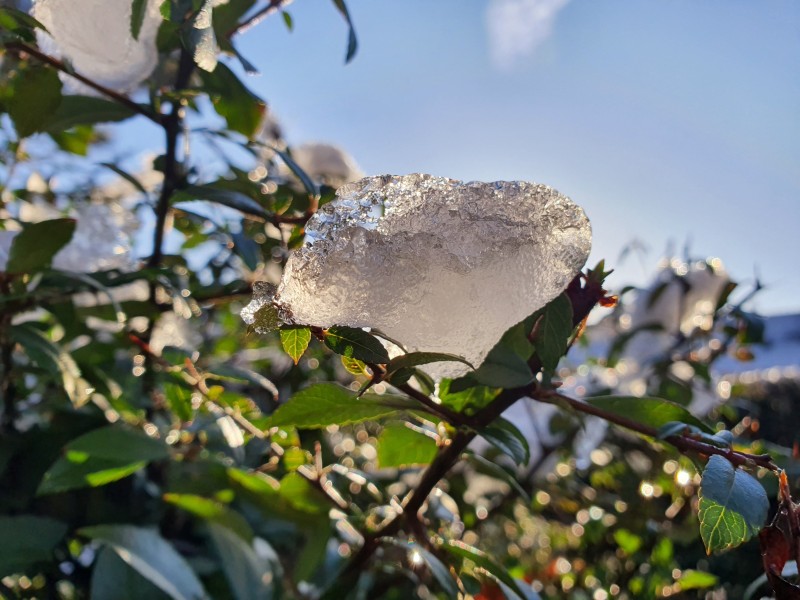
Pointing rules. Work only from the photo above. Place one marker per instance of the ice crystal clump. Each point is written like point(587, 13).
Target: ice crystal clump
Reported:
point(95, 37)
point(435, 263)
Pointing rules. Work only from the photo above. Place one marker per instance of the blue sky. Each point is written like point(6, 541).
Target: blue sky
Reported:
point(668, 121)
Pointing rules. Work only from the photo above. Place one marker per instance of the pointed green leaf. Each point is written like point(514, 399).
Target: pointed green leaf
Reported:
point(295, 341)
point(326, 404)
point(251, 575)
point(470, 399)
point(138, 10)
point(354, 366)
point(308, 184)
point(114, 579)
point(35, 96)
point(553, 331)
point(101, 457)
point(505, 436)
point(210, 192)
point(437, 568)
point(356, 343)
point(152, 556)
point(85, 110)
point(482, 560)
point(352, 42)
point(654, 412)
point(241, 109)
point(414, 359)
point(35, 246)
point(401, 446)
point(733, 505)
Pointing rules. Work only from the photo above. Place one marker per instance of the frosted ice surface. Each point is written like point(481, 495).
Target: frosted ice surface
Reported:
point(95, 37)
point(435, 263)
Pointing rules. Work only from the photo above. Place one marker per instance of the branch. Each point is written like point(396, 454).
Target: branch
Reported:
point(21, 47)
point(683, 443)
point(256, 18)
point(8, 390)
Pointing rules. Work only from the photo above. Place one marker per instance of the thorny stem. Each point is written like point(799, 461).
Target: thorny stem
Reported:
point(257, 17)
point(22, 47)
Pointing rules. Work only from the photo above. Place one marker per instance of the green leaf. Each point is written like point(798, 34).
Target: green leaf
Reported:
point(127, 177)
point(85, 110)
point(654, 412)
point(628, 542)
point(696, 580)
point(553, 331)
point(138, 9)
point(26, 540)
point(471, 399)
point(35, 96)
point(487, 467)
point(251, 575)
point(100, 457)
point(35, 246)
point(295, 341)
point(505, 436)
point(212, 511)
point(230, 198)
point(401, 446)
point(437, 568)
point(414, 359)
point(302, 496)
point(352, 42)
point(506, 365)
point(50, 358)
point(114, 579)
point(266, 320)
point(180, 401)
point(19, 23)
point(287, 19)
point(482, 560)
point(733, 505)
point(326, 404)
point(356, 343)
point(241, 109)
point(308, 184)
point(354, 367)
point(152, 556)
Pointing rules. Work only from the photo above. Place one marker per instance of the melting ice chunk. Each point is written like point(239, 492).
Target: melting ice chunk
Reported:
point(435, 263)
point(95, 36)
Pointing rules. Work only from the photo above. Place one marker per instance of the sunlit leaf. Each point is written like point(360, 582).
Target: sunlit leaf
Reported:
point(355, 343)
point(295, 341)
point(733, 505)
point(326, 404)
point(401, 446)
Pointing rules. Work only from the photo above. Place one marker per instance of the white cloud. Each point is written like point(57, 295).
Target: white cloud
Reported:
point(517, 27)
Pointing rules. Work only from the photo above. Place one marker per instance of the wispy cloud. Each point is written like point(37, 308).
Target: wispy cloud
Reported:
point(518, 27)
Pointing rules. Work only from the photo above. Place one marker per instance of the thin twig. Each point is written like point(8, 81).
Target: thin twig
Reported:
point(22, 47)
point(257, 17)
point(684, 443)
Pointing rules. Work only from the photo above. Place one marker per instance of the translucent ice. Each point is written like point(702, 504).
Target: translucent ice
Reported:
point(435, 263)
point(95, 37)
